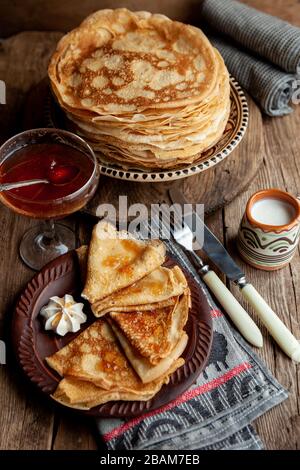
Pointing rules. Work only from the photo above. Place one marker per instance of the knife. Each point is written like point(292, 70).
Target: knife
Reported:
point(221, 258)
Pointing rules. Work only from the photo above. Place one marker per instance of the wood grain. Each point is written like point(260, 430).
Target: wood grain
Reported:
point(20, 75)
point(74, 432)
point(26, 420)
point(23, 424)
point(280, 427)
point(64, 15)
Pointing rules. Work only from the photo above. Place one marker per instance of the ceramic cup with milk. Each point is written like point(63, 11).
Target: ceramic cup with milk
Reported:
point(270, 229)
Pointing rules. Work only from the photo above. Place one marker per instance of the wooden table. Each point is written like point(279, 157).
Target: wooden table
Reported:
point(27, 422)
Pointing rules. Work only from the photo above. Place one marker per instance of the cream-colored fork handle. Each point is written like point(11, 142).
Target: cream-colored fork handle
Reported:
point(235, 311)
point(274, 325)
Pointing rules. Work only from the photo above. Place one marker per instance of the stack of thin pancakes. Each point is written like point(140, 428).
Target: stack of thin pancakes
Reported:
point(131, 351)
point(145, 91)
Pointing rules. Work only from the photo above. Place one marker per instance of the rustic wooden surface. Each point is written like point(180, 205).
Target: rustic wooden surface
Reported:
point(64, 15)
point(27, 421)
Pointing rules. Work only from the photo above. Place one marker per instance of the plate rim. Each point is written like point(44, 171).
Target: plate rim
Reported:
point(142, 176)
point(22, 337)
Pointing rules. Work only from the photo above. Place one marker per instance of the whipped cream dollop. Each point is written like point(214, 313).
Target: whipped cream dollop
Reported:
point(63, 315)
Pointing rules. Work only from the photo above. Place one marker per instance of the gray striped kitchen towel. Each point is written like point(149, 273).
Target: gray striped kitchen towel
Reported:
point(272, 38)
point(267, 84)
point(216, 413)
point(265, 55)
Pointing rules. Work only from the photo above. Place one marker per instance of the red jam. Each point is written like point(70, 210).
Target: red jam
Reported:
point(62, 174)
point(67, 169)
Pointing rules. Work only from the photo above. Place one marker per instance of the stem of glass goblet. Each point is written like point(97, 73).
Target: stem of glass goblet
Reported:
point(49, 233)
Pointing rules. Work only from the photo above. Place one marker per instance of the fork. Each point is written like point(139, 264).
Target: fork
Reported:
point(244, 323)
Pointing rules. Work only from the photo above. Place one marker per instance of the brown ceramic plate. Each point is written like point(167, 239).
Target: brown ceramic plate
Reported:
point(32, 343)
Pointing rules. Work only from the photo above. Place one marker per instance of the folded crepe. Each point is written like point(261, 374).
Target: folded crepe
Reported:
point(116, 260)
point(154, 333)
point(142, 366)
point(95, 356)
point(83, 395)
point(96, 371)
point(156, 290)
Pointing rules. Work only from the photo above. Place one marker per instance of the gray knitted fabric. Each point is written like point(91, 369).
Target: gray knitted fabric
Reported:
point(262, 52)
point(268, 85)
point(270, 37)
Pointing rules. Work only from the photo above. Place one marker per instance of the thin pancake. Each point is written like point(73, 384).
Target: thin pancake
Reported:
point(154, 333)
point(119, 61)
point(140, 308)
point(95, 356)
point(155, 290)
point(79, 394)
point(142, 366)
point(117, 260)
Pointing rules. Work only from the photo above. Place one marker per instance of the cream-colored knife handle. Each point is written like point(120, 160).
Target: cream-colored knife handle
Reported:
point(235, 311)
point(275, 326)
